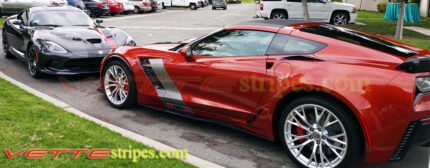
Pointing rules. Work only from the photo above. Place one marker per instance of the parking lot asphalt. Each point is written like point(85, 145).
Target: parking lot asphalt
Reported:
point(208, 141)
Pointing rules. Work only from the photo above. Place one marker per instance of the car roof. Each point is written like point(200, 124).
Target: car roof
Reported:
point(276, 23)
point(52, 8)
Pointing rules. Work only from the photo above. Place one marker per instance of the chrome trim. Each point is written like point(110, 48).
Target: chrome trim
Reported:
point(425, 121)
point(16, 52)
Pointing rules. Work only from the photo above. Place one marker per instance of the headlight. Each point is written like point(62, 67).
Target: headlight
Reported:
point(354, 9)
point(423, 84)
point(53, 47)
point(130, 41)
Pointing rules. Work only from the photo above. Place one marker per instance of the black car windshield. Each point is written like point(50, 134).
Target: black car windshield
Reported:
point(359, 38)
point(60, 18)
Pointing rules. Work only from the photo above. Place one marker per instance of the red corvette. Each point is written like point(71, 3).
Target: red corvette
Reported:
point(333, 97)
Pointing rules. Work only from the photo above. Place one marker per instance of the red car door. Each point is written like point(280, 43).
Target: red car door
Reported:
point(225, 76)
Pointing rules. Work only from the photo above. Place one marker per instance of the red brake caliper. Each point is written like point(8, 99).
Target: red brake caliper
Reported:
point(300, 131)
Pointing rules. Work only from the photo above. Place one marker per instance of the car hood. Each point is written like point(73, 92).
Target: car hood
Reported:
point(82, 38)
point(346, 6)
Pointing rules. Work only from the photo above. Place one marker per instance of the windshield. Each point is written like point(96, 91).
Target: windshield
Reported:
point(359, 38)
point(60, 18)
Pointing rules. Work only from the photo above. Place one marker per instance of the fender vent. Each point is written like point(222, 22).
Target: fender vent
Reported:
point(94, 41)
point(146, 65)
point(406, 141)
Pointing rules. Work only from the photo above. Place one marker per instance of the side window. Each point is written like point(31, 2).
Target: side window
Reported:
point(287, 45)
point(295, 1)
point(234, 43)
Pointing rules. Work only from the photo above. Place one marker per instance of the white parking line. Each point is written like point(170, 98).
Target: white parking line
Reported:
point(139, 15)
point(171, 28)
point(124, 132)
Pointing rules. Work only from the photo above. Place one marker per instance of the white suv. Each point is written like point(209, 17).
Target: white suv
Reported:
point(320, 10)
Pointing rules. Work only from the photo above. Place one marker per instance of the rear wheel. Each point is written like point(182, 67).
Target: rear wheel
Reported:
point(278, 14)
point(318, 132)
point(225, 8)
point(136, 10)
point(118, 84)
point(213, 8)
point(32, 60)
point(6, 46)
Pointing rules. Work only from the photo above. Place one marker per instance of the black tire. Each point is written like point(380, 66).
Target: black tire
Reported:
point(33, 67)
point(225, 8)
point(132, 95)
point(336, 18)
point(6, 46)
point(112, 14)
point(355, 142)
point(279, 14)
point(193, 6)
point(137, 10)
point(213, 8)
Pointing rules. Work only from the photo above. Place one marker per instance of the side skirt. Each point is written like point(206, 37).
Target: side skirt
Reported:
point(193, 117)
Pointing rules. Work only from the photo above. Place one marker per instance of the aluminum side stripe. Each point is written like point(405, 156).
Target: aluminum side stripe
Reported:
point(172, 94)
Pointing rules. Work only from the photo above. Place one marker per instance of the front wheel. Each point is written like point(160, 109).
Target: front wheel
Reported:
point(32, 62)
point(193, 7)
point(340, 18)
point(319, 132)
point(118, 84)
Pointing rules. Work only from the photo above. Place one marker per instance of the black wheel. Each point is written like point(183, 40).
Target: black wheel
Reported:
point(225, 8)
point(6, 46)
point(213, 8)
point(193, 6)
point(112, 14)
point(278, 14)
point(317, 131)
point(118, 85)
point(340, 18)
point(32, 59)
point(136, 10)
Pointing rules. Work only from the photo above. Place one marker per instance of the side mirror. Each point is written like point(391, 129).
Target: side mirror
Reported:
point(98, 22)
point(17, 22)
point(187, 53)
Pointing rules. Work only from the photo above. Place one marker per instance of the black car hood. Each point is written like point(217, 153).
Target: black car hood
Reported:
point(82, 38)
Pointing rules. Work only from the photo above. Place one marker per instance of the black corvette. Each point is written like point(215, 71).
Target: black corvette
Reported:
point(60, 40)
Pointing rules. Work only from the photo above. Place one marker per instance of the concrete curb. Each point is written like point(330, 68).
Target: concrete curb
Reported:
point(126, 133)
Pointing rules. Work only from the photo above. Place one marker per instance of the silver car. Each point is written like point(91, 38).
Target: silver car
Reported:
point(219, 4)
point(11, 7)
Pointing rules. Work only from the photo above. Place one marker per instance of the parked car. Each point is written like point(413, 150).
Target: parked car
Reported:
point(128, 6)
point(219, 4)
point(76, 3)
point(321, 10)
point(192, 4)
point(12, 7)
point(329, 94)
point(141, 6)
point(59, 40)
point(115, 7)
point(96, 8)
point(154, 5)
